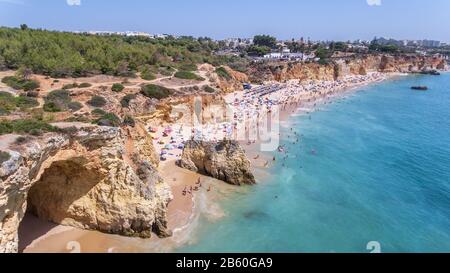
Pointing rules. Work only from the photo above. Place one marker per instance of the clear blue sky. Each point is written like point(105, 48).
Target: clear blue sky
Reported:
point(318, 19)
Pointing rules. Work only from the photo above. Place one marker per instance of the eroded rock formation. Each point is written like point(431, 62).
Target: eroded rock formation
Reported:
point(224, 160)
point(355, 65)
point(87, 180)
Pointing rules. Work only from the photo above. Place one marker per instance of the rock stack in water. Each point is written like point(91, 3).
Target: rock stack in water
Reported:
point(224, 160)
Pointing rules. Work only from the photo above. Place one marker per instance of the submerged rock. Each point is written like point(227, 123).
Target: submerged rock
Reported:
point(224, 160)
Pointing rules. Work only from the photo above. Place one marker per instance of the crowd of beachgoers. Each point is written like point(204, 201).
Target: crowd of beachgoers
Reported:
point(254, 111)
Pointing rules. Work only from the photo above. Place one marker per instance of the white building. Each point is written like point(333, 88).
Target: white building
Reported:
point(288, 56)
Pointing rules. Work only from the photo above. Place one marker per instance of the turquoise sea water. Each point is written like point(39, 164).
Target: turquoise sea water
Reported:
point(380, 172)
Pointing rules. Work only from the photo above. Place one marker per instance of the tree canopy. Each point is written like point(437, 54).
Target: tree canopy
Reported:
point(265, 41)
point(63, 54)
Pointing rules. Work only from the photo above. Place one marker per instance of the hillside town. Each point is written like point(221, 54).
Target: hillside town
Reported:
point(266, 48)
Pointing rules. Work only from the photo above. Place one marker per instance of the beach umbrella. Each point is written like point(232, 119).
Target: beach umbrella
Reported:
point(168, 147)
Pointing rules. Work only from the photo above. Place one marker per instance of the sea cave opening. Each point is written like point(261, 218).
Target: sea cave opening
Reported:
point(57, 198)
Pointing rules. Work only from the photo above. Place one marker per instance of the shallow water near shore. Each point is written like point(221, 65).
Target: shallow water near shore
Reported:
point(373, 166)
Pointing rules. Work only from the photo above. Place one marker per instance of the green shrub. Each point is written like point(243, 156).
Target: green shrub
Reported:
point(70, 86)
point(52, 107)
point(186, 75)
point(62, 96)
point(108, 119)
point(75, 106)
point(26, 102)
point(84, 85)
point(188, 67)
point(148, 76)
point(98, 112)
point(36, 132)
point(156, 91)
point(57, 101)
point(20, 84)
point(9, 103)
point(117, 87)
point(30, 85)
point(223, 73)
point(125, 102)
point(4, 156)
point(129, 121)
point(209, 89)
point(25, 126)
point(97, 101)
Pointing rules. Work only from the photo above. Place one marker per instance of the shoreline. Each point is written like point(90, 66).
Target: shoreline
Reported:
point(184, 211)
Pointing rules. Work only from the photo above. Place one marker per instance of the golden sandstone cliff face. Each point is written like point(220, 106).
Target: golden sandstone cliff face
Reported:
point(227, 85)
point(284, 71)
point(86, 180)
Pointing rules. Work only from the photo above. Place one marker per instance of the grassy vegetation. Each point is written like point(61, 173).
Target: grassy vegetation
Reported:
point(223, 73)
point(125, 102)
point(148, 76)
point(9, 103)
point(20, 84)
point(117, 87)
point(156, 91)
point(4, 156)
point(129, 121)
point(166, 71)
point(26, 126)
point(70, 86)
point(97, 101)
point(186, 75)
point(108, 119)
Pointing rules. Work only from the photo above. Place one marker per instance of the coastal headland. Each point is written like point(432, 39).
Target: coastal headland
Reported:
point(119, 163)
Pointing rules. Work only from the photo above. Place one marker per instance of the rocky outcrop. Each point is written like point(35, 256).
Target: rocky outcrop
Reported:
point(224, 160)
point(229, 84)
point(85, 180)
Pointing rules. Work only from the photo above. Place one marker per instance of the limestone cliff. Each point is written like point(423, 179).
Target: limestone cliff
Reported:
point(86, 179)
point(354, 65)
point(233, 82)
point(224, 160)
